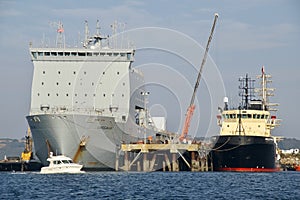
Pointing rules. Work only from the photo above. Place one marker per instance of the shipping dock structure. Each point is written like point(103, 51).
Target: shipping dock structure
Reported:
point(167, 156)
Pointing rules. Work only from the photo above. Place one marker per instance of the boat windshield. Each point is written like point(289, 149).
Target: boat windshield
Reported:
point(65, 161)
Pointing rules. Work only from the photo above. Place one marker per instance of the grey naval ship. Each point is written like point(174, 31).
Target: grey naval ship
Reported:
point(86, 101)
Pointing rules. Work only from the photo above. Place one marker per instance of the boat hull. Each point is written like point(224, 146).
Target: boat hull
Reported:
point(244, 154)
point(20, 166)
point(63, 134)
point(72, 169)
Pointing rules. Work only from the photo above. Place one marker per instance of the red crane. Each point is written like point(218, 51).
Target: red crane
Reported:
point(191, 108)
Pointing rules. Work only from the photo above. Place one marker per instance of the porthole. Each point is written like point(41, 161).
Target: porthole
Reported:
point(103, 73)
point(122, 95)
point(67, 95)
point(57, 83)
point(84, 73)
point(38, 94)
point(57, 94)
point(75, 95)
point(123, 84)
point(94, 95)
point(44, 72)
point(48, 94)
point(104, 95)
point(74, 72)
point(42, 83)
point(85, 95)
point(58, 72)
point(69, 83)
point(92, 83)
point(118, 73)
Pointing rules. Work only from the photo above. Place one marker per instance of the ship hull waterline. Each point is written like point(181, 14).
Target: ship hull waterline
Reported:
point(62, 134)
point(244, 154)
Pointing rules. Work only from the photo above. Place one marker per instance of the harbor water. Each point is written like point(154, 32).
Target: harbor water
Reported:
point(155, 185)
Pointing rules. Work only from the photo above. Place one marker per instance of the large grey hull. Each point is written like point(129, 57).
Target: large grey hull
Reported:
point(62, 134)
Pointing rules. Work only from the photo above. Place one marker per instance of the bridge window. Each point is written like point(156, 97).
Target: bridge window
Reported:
point(232, 116)
point(60, 53)
point(53, 54)
point(67, 53)
point(41, 53)
point(34, 54)
point(81, 53)
point(73, 53)
point(47, 53)
point(266, 116)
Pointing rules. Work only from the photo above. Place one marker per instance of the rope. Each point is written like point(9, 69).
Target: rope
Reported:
point(217, 149)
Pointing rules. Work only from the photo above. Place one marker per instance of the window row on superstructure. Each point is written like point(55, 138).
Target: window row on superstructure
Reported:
point(245, 116)
point(86, 95)
point(37, 54)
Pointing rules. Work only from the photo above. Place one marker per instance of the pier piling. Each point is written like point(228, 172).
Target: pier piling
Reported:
point(163, 157)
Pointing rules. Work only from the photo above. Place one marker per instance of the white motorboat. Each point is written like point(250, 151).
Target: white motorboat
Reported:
point(61, 164)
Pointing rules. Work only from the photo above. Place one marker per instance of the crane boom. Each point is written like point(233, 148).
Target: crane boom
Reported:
point(191, 108)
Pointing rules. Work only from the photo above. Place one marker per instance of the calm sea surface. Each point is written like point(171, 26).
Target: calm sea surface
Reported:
point(157, 185)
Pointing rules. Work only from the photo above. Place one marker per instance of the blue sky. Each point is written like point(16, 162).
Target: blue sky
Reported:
point(249, 34)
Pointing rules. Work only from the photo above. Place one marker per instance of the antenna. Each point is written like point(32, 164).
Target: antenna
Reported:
point(98, 27)
point(114, 27)
point(246, 87)
point(60, 37)
point(86, 34)
point(265, 92)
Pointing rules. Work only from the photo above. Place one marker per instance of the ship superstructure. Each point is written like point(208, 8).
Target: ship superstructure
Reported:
point(245, 142)
point(86, 101)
